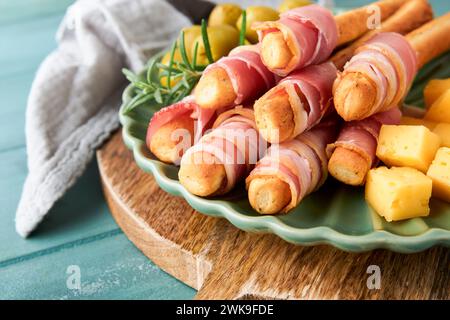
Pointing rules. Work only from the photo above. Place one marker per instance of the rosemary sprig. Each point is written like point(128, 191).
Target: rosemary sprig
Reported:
point(148, 87)
point(185, 73)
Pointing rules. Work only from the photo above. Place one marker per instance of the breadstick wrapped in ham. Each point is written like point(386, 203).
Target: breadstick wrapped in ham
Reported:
point(238, 78)
point(175, 128)
point(381, 73)
point(291, 170)
point(224, 156)
point(354, 152)
point(407, 18)
point(308, 35)
point(296, 103)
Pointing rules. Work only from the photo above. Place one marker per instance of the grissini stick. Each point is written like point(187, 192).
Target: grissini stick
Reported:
point(354, 152)
point(279, 110)
point(308, 35)
point(407, 18)
point(291, 170)
point(222, 157)
point(296, 103)
point(238, 78)
point(381, 72)
point(175, 128)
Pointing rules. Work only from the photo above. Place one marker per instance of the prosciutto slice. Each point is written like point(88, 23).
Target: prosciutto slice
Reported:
point(301, 163)
point(310, 32)
point(361, 136)
point(249, 76)
point(204, 117)
point(390, 62)
point(233, 141)
point(310, 94)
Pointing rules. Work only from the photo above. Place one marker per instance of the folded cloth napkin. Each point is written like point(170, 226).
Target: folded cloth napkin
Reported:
point(74, 100)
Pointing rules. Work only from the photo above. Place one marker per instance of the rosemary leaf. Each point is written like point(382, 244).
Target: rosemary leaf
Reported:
point(194, 59)
point(130, 75)
point(158, 97)
point(206, 42)
point(172, 55)
point(243, 28)
point(183, 52)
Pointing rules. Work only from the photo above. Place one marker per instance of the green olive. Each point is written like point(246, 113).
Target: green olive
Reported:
point(165, 60)
point(256, 14)
point(287, 5)
point(226, 13)
point(190, 35)
point(222, 39)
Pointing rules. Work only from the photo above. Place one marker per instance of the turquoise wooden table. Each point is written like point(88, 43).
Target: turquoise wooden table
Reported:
point(79, 231)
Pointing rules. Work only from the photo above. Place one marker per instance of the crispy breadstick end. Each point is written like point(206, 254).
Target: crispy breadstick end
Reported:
point(431, 40)
point(274, 51)
point(214, 90)
point(269, 195)
point(354, 96)
point(274, 117)
point(348, 167)
point(410, 16)
point(165, 146)
point(352, 24)
point(203, 179)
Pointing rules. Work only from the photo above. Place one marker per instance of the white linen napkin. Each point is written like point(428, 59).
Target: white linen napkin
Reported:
point(73, 104)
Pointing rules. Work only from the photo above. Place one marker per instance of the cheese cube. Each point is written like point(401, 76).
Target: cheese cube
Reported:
point(443, 131)
point(398, 193)
point(434, 89)
point(410, 121)
point(440, 110)
point(439, 172)
point(407, 146)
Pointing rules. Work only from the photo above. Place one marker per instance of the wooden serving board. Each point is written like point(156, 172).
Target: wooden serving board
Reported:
point(223, 262)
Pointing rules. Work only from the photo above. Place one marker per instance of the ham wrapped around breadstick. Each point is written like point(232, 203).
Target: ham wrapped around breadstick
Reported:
point(238, 78)
point(291, 170)
point(308, 35)
point(224, 156)
point(296, 103)
point(408, 17)
point(175, 128)
point(354, 152)
point(380, 74)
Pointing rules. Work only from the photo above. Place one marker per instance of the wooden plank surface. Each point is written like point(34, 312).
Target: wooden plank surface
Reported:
point(79, 229)
point(223, 262)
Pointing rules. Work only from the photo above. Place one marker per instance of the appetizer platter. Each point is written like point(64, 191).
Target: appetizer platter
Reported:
point(303, 124)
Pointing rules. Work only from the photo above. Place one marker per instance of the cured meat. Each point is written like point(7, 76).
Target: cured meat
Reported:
point(307, 92)
point(388, 64)
point(310, 32)
point(187, 105)
point(361, 138)
point(233, 143)
point(244, 69)
point(301, 164)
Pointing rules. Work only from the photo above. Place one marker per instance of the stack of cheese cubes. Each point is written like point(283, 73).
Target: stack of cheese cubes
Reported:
point(418, 154)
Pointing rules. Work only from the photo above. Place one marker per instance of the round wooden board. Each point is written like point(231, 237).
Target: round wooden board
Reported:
point(223, 262)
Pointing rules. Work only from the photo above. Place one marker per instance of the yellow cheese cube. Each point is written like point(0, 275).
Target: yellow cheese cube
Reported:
point(407, 146)
point(439, 172)
point(440, 110)
point(398, 193)
point(443, 131)
point(434, 89)
point(410, 121)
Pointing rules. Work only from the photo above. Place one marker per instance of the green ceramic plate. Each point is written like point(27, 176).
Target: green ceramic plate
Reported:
point(337, 214)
